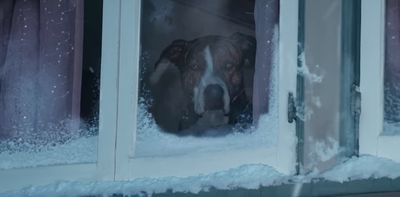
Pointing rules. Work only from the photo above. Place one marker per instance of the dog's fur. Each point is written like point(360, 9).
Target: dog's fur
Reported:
point(206, 82)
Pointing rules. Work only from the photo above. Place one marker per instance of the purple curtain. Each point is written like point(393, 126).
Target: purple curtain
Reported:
point(40, 64)
point(266, 14)
point(392, 61)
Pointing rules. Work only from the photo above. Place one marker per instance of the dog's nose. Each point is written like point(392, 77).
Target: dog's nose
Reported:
point(213, 97)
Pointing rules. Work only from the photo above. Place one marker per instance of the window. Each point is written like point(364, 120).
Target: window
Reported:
point(378, 121)
point(49, 82)
point(157, 150)
point(117, 146)
point(328, 83)
point(392, 69)
point(207, 69)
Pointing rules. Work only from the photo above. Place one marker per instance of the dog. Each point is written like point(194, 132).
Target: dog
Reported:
point(204, 83)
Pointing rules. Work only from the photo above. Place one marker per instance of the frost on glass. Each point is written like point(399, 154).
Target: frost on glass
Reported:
point(392, 69)
point(49, 84)
point(321, 71)
point(208, 75)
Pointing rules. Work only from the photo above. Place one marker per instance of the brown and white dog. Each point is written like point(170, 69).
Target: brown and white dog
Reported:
point(203, 83)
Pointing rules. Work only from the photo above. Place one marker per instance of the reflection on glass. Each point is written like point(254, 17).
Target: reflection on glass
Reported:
point(205, 69)
point(49, 82)
point(392, 69)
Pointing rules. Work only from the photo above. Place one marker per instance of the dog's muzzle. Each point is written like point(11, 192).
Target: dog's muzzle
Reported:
point(211, 93)
point(211, 96)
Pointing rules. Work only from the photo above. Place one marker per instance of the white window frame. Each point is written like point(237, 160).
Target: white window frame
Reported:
point(128, 167)
point(118, 107)
point(104, 168)
point(372, 63)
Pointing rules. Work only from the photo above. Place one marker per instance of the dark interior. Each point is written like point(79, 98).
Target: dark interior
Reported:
point(91, 61)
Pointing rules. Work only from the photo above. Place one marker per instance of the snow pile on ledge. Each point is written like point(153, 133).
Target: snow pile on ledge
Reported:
point(81, 150)
point(246, 176)
point(364, 167)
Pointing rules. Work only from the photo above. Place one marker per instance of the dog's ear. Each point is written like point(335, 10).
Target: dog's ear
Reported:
point(247, 46)
point(245, 43)
point(172, 56)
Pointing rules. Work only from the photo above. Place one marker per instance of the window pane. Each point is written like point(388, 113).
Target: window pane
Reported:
point(208, 72)
point(392, 69)
point(322, 72)
point(49, 82)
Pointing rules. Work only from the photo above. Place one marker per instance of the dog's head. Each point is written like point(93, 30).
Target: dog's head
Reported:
point(215, 70)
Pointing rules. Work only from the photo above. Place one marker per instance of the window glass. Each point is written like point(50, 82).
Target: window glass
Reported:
point(392, 69)
point(207, 75)
point(49, 82)
point(321, 70)
point(328, 83)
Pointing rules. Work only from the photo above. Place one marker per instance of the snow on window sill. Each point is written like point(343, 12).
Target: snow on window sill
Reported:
point(246, 176)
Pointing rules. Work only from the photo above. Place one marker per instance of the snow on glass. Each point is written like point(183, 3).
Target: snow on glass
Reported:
point(35, 87)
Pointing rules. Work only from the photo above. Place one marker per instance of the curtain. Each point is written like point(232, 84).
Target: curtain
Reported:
point(40, 65)
point(392, 62)
point(266, 14)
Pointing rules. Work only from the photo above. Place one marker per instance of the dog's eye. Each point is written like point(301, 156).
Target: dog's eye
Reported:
point(195, 66)
point(228, 66)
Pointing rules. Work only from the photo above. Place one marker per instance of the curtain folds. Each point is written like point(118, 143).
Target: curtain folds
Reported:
point(392, 62)
point(40, 65)
point(266, 14)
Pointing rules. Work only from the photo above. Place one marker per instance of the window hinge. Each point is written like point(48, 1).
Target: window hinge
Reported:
point(356, 103)
point(356, 109)
point(292, 111)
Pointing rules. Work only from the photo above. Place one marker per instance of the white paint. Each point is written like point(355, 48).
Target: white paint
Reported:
point(108, 92)
point(372, 71)
point(288, 32)
point(128, 83)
